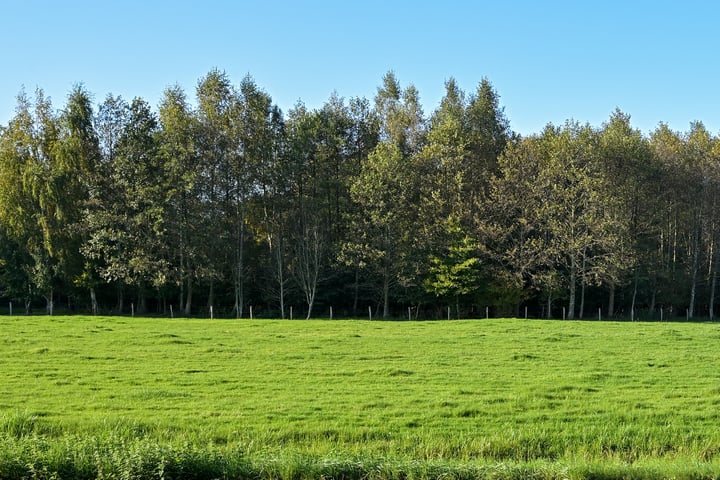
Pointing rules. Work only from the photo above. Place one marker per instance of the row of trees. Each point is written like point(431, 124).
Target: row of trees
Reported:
point(227, 202)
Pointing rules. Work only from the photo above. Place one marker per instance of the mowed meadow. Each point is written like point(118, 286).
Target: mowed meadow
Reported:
point(115, 397)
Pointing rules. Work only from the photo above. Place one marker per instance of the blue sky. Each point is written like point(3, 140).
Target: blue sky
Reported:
point(549, 61)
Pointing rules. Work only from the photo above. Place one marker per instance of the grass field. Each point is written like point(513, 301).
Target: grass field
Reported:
point(100, 397)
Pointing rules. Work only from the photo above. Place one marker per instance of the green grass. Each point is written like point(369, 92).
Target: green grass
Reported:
point(100, 397)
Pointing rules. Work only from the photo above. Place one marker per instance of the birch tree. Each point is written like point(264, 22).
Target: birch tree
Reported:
point(187, 223)
point(224, 188)
point(632, 178)
point(30, 182)
point(676, 207)
point(701, 168)
point(386, 191)
point(564, 227)
point(78, 154)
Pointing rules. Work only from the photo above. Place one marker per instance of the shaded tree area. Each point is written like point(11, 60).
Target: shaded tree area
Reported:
point(221, 202)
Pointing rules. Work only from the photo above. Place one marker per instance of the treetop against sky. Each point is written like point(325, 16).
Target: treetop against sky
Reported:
point(352, 204)
point(550, 61)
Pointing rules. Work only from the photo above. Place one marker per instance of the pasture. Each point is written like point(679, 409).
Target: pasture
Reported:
point(114, 397)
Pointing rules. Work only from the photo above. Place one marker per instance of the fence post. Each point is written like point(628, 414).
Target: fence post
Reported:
point(370, 312)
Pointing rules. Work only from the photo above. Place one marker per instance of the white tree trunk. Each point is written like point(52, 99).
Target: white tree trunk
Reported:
point(50, 302)
point(239, 269)
point(694, 272)
point(573, 286)
point(93, 301)
point(549, 306)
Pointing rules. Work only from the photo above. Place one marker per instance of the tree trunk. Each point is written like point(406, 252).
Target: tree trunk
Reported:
point(93, 301)
point(211, 294)
point(573, 286)
point(310, 302)
point(239, 300)
point(282, 298)
point(188, 299)
point(309, 247)
point(120, 300)
point(713, 279)
point(356, 291)
point(581, 314)
point(386, 293)
point(653, 296)
point(652, 301)
point(142, 302)
point(549, 306)
point(713, 285)
point(611, 301)
point(50, 302)
point(181, 300)
point(238, 307)
point(693, 275)
point(183, 276)
point(634, 296)
point(279, 273)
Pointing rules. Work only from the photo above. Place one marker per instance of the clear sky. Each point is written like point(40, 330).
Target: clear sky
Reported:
point(548, 60)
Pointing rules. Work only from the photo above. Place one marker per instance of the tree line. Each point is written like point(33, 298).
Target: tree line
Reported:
point(226, 201)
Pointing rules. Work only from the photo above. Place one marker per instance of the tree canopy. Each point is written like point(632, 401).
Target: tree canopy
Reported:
point(220, 200)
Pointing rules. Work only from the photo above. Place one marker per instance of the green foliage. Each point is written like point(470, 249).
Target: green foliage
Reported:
point(220, 200)
point(127, 223)
point(455, 272)
point(385, 194)
point(555, 221)
point(32, 212)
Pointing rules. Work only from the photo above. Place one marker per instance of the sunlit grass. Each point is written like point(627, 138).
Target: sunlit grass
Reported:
point(554, 398)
